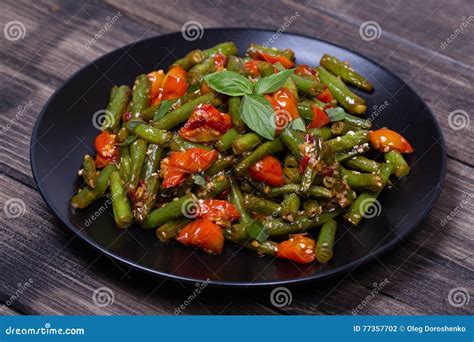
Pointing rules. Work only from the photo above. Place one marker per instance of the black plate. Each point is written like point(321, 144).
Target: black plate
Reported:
point(64, 133)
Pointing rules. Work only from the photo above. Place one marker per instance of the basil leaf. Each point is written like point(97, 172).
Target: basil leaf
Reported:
point(298, 124)
point(229, 83)
point(199, 180)
point(335, 114)
point(273, 82)
point(257, 113)
point(165, 106)
point(257, 231)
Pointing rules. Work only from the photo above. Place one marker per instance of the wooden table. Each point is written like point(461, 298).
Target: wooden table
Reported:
point(62, 273)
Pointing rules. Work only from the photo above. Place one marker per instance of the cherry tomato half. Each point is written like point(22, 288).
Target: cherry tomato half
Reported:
point(274, 59)
point(156, 82)
point(105, 144)
point(320, 118)
point(203, 234)
point(325, 96)
point(298, 248)
point(174, 83)
point(268, 170)
point(219, 211)
point(205, 124)
point(385, 140)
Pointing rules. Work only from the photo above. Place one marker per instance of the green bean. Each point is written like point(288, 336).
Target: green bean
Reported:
point(325, 245)
point(137, 157)
point(116, 107)
point(234, 112)
point(88, 195)
point(314, 191)
point(150, 134)
point(151, 184)
point(221, 164)
point(170, 230)
point(181, 114)
point(265, 69)
point(264, 247)
point(89, 172)
point(216, 186)
point(305, 110)
point(199, 70)
point(362, 181)
point(246, 142)
point(290, 84)
point(323, 132)
point(343, 156)
point(346, 98)
point(227, 49)
point(140, 96)
point(226, 140)
point(365, 201)
point(290, 161)
point(362, 163)
point(179, 144)
point(401, 167)
point(260, 205)
point(348, 141)
point(255, 48)
point(236, 198)
point(312, 208)
point(268, 147)
point(291, 175)
point(122, 134)
point(358, 122)
point(344, 71)
point(290, 206)
point(121, 206)
point(170, 211)
point(125, 164)
point(341, 128)
point(293, 140)
point(306, 86)
point(307, 179)
point(192, 58)
point(236, 64)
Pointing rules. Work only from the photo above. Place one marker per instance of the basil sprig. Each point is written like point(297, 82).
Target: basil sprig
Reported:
point(255, 110)
point(335, 114)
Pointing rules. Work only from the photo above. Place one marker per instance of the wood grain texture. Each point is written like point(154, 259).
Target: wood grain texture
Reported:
point(420, 272)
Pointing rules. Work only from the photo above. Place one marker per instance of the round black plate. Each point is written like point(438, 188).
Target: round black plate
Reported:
point(64, 133)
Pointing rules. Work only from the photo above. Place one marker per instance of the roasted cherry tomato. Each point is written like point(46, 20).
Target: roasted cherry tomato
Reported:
point(298, 248)
point(204, 234)
point(268, 170)
point(105, 144)
point(218, 211)
point(274, 59)
point(158, 98)
point(205, 124)
point(175, 168)
point(252, 68)
point(101, 161)
point(320, 118)
point(220, 61)
point(174, 83)
point(284, 104)
point(325, 96)
point(305, 70)
point(156, 82)
point(386, 140)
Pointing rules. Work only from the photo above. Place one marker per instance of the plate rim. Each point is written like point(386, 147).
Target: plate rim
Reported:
point(219, 283)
